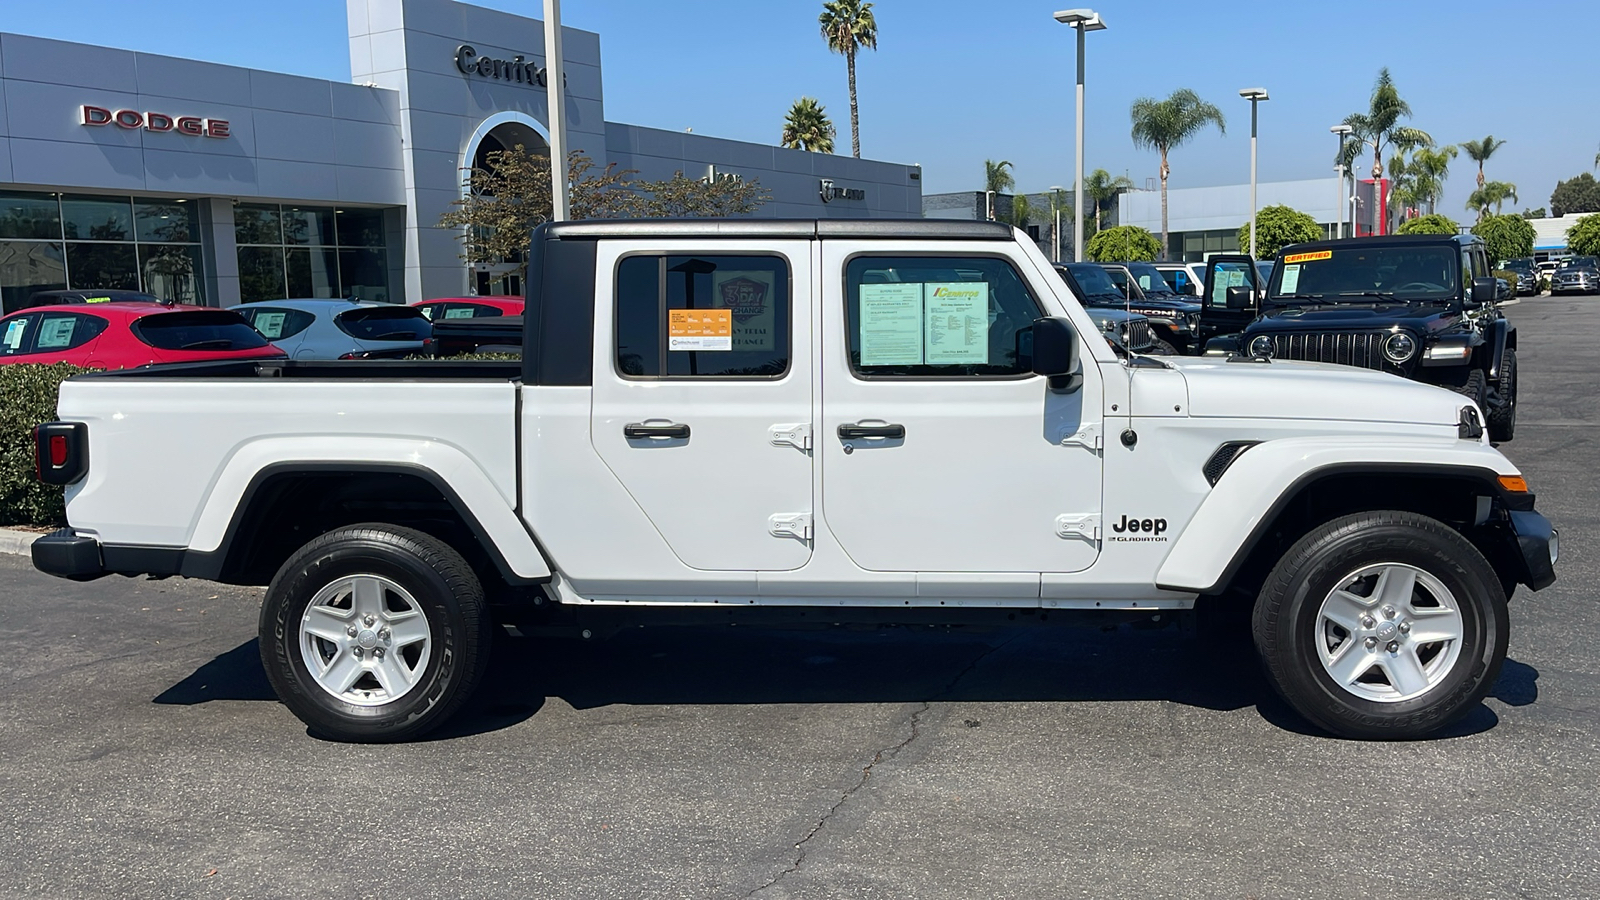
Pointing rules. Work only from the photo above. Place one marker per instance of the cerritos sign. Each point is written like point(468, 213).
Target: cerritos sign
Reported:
point(517, 69)
point(131, 119)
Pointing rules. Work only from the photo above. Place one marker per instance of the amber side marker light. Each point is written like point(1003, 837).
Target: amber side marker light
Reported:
point(1514, 483)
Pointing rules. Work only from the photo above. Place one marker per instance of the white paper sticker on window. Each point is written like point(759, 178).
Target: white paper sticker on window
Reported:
point(1291, 279)
point(15, 330)
point(891, 324)
point(752, 300)
point(460, 312)
point(957, 316)
point(270, 324)
point(56, 333)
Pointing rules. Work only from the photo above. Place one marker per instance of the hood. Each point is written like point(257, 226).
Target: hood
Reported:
point(1284, 389)
point(1165, 305)
point(1421, 317)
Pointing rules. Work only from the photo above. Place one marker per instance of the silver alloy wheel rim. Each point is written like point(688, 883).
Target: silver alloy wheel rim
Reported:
point(365, 640)
point(1389, 632)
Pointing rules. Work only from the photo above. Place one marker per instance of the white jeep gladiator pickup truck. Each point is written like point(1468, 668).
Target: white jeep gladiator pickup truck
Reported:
point(887, 419)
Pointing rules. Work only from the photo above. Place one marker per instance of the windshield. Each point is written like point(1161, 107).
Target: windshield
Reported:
point(1364, 274)
point(1149, 279)
point(1519, 265)
point(1580, 262)
point(379, 323)
point(1094, 282)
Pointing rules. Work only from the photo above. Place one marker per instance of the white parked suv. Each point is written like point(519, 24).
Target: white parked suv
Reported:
point(884, 419)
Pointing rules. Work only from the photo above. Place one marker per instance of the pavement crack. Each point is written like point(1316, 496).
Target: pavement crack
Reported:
point(881, 756)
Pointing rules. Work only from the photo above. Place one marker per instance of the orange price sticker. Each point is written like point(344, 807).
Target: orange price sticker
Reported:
point(700, 329)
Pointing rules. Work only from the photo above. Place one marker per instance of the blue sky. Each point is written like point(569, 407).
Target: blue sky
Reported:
point(954, 83)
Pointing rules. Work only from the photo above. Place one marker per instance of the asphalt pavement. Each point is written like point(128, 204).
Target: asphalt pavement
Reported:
point(143, 755)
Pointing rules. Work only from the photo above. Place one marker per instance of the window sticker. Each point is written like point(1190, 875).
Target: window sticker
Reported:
point(699, 329)
point(957, 317)
point(462, 312)
point(97, 299)
point(1291, 279)
point(891, 324)
point(1308, 257)
point(56, 333)
point(270, 324)
point(15, 330)
point(1144, 282)
point(749, 296)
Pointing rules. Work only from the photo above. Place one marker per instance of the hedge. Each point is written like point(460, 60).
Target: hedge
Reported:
point(27, 398)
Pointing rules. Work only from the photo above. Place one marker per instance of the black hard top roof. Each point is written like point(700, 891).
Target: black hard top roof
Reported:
point(928, 229)
point(1383, 240)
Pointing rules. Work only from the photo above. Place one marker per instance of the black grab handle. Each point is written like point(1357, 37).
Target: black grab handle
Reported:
point(851, 432)
point(640, 430)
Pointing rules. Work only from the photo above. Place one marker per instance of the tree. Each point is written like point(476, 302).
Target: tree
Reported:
point(807, 127)
point(1480, 151)
point(997, 176)
point(1419, 182)
point(507, 200)
point(1493, 193)
point(1124, 243)
point(1101, 187)
point(1505, 237)
point(1580, 194)
point(1433, 223)
point(1278, 227)
point(1379, 127)
point(848, 25)
point(1021, 211)
point(1533, 213)
point(1164, 124)
point(1583, 238)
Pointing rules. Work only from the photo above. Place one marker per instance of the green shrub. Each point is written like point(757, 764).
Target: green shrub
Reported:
point(1583, 238)
point(1278, 227)
point(1124, 243)
point(1509, 276)
point(1433, 223)
point(1505, 237)
point(27, 398)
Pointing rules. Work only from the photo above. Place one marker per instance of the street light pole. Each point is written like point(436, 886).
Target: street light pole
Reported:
point(556, 91)
point(1056, 256)
point(1341, 205)
point(1082, 21)
point(1255, 96)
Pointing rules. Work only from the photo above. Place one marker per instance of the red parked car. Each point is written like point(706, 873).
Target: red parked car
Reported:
point(124, 335)
point(468, 307)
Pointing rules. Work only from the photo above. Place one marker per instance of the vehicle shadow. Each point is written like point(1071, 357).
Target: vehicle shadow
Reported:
point(696, 665)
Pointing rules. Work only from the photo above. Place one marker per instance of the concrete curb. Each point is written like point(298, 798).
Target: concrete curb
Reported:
point(17, 543)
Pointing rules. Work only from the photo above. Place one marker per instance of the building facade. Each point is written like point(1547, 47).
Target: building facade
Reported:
point(1204, 221)
point(214, 184)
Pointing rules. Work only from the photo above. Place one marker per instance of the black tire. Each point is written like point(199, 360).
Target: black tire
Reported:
point(1288, 625)
point(442, 587)
point(1161, 348)
point(1503, 414)
point(1471, 383)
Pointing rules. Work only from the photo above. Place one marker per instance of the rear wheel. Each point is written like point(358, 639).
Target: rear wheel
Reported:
point(1503, 412)
point(1382, 625)
point(374, 633)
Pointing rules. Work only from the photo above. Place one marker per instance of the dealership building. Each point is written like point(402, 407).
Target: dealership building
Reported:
point(214, 184)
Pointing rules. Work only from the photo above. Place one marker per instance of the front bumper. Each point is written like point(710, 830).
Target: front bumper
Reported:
point(1537, 546)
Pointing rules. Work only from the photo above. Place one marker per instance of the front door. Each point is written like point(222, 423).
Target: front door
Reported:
point(941, 451)
point(1217, 319)
point(702, 395)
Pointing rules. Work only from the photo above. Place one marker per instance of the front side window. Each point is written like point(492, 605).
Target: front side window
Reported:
point(703, 316)
point(17, 334)
point(938, 317)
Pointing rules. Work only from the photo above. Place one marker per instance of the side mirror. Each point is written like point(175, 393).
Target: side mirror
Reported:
point(1483, 290)
point(1055, 353)
point(1240, 298)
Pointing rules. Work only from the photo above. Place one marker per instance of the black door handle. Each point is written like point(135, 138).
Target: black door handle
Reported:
point(850, 432)
point(640, 430)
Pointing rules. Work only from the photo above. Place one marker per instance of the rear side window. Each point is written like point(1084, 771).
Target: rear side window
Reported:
point(274, 323)
point(703, 316)
point(380, 323)
point(210, 329)
point(66, 331)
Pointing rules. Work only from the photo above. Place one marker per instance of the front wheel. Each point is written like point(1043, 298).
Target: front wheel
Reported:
point(1503, 412)
point(374, 633)
point(1385, 625)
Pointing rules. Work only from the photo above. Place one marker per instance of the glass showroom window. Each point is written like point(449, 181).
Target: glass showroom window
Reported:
point(310, 251)
point(58, 241)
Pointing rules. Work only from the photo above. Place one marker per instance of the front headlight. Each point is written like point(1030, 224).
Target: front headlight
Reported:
point(1399, 347)
point(1261, 345)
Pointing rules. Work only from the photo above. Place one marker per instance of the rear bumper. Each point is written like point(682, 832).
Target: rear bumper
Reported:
point(81, 557)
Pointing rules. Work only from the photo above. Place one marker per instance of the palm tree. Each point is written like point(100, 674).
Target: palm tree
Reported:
point(1379, 127)
point(848, 25)
point(1164, 124)
point(1102, 186)
point(1021, 211)
point(1493, 193)
point(1480, 151)
point(997, 177)
point(807, 127)
point(1420, 182)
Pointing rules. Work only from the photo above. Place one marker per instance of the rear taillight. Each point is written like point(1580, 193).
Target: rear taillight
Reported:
point(61, 452)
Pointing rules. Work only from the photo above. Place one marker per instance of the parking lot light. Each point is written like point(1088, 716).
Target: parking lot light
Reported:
point(1342, 205)
point(1255, 96)
point(1081, 21)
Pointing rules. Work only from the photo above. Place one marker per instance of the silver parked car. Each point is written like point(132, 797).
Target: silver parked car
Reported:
point(340, 329)
point(1577, 275)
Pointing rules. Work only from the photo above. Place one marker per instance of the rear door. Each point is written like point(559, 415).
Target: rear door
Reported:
point(702, 395)
point(1223, 272)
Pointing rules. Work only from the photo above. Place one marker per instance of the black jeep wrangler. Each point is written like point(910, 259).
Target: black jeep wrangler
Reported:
point(1420, 306)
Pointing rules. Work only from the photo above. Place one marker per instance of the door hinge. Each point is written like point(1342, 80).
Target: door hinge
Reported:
point(797, 436)
point(1087, 437)
point(1086, 526)
point(796, 525)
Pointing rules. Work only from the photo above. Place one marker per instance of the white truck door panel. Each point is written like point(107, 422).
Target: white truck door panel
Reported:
point(954, 463)
point(702, 395)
